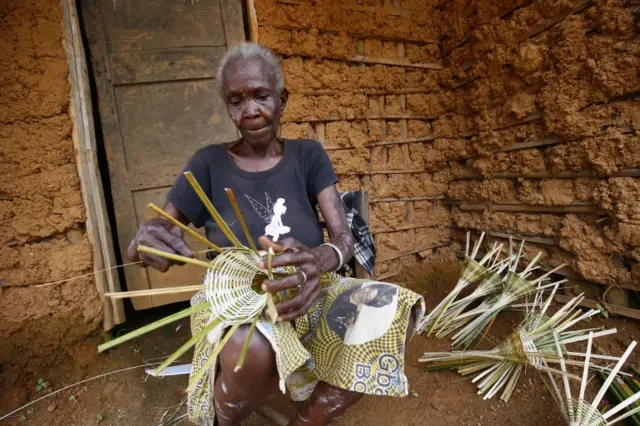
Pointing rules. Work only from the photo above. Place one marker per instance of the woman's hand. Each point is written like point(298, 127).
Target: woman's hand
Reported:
point(312, 261)
point(162, 235)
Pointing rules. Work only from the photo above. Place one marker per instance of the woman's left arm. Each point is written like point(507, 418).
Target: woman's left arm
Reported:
point(340, 235)
point(313, 261)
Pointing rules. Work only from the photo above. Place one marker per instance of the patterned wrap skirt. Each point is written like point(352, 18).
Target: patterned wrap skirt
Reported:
point(353, 338)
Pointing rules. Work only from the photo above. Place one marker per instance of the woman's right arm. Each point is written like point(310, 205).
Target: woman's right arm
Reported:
point(160, 234)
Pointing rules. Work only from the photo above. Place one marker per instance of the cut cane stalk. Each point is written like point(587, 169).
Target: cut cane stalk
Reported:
point(155, 325)
point(185, 228)
point(243, 225)
point(154, 292)
point(271, 306)
point(173, 256)
point(212, 210)
point(245, 346)
point(184, 348)
point(213, 356)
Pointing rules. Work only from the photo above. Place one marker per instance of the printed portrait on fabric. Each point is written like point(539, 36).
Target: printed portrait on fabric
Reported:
point(363, 313)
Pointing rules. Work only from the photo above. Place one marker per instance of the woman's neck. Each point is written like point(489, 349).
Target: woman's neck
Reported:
point(256, 159)
point(242, 148)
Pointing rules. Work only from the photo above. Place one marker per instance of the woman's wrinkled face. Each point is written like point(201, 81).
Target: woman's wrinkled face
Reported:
point(252, 101)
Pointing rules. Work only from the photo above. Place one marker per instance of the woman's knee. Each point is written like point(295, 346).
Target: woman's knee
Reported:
point(259, 360)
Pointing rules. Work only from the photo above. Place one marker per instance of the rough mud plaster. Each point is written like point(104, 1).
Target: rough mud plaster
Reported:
point(327, 101)
point(41, 211)
point(579, 75)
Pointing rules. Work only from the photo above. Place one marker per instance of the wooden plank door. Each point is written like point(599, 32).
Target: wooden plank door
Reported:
point(154, 64)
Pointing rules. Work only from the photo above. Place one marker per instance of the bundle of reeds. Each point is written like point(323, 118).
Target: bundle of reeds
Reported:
point(232, 282)
point(501, 289)
point(530, 344)
point(472, 271)
point(578, 411)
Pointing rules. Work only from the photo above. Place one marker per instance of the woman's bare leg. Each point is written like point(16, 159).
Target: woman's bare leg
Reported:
point(328, 403)
point(237, 395)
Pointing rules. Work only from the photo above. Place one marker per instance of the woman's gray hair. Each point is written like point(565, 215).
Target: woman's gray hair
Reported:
point(249, 51)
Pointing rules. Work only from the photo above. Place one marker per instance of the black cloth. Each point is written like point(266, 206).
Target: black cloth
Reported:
point(301, 174)
point(364, 245)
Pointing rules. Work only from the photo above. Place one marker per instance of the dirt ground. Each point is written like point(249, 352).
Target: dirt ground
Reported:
point(133, 398)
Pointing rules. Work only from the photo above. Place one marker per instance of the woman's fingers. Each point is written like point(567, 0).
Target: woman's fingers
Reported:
point(292, 281)
point(284, 244)
point(157, 262)
point(177, 244)
point(300, 299)
point(292, 258)
point(306, 305)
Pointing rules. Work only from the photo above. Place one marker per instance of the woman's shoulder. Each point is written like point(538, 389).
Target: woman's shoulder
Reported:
point(306, 147)
point(208, 153)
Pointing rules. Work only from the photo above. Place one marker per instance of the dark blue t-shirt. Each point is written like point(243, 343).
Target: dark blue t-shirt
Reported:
point(280, 201)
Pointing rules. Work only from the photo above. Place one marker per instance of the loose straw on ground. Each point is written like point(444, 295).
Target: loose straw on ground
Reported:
point(71, 386)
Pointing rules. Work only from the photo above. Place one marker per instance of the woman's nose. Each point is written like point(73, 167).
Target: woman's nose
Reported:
point(250, 109)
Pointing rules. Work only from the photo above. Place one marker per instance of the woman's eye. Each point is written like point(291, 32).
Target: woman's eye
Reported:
point(262, 97)
point(235, 101)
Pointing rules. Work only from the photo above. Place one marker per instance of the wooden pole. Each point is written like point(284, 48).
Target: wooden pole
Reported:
point(253, 21)
point(84, 140)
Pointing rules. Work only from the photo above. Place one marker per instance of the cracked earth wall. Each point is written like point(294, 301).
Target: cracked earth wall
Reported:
point(42, 236)
point(515, 117)
point(549, 90)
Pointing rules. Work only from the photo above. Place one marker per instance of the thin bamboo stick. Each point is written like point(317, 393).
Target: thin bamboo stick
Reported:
point(398, 200)
point(154, 292)
point(404, 141)
point(184, 227)
point(245, 346)
point(271, 307)
point(172, 256)
point(205, 369)
point(529, 209)
point(363, 118)
point(236, 209)
point(407, 253)
point(212, 210)
point(546, 175)
point(155, 325)
point(185, 347)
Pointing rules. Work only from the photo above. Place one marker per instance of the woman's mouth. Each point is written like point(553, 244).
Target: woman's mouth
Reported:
point(254, 131)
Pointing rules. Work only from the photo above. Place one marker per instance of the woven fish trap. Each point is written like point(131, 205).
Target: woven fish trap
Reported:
point(583, 413)
point(521, 349)
point(230, 286)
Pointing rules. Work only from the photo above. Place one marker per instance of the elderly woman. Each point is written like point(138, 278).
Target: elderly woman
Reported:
point(278, 183)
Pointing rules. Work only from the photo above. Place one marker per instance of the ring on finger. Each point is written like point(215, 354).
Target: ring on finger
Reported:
point(304, 278)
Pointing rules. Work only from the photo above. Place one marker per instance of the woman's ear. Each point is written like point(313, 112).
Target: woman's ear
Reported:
point(284, 97)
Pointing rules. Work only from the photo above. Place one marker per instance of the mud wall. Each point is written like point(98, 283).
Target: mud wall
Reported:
point(543, 99)
point(515, 117)
point(353, 70)
point(42, 237)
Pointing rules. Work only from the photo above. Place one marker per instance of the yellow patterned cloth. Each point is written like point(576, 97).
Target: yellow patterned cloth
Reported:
point(352, 338)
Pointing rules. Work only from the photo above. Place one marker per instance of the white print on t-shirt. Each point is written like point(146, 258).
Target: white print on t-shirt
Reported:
point(272, 214)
